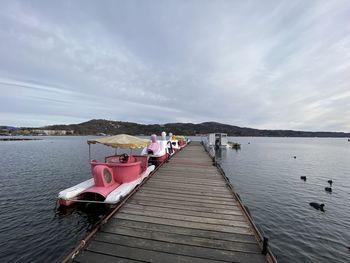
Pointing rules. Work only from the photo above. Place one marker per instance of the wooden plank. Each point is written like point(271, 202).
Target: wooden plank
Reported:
point(200, 170)
point(184, 239)
point(150, 187)
point(186, 180)
point(93, 257)
point(212, 189)
point(156, 200)
point(193, 175)
point(187, 171)
point(186, 194)
point(179, 210)
point(194, 166)
point(196, 225)
point(143, 254)
point(194, 161)
point(232, 211)
point(185, 177)
point(190, 182)
point(179, 249)
point(183, 198)
point(238, 220)
point(197, 162)
point(209, 234)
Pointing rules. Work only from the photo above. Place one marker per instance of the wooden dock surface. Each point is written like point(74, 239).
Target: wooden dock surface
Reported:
point(185, 213)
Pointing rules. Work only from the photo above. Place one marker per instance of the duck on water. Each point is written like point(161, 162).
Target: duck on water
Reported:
point(317, 206)
point(328, 189)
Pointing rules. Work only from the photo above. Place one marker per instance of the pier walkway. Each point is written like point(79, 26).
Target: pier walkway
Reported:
point(186, 212)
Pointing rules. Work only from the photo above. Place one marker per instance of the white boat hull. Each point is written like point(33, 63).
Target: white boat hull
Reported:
point(70, 195)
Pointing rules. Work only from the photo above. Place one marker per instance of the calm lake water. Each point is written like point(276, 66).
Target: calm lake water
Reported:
point(267, 177)
point(264, 173)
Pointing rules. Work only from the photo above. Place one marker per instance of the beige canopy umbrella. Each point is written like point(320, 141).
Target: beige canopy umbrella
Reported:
point(121, 141)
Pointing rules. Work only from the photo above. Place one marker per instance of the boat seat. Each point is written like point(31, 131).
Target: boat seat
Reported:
point(112, 159)
point(115, 159)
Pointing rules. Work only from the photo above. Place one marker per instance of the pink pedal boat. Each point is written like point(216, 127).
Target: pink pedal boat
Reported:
point(158, 150)
point(114, 178)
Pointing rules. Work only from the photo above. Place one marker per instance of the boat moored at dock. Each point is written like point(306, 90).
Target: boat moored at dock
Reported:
point(114, 178)
point(177, 142)
point(158, 150)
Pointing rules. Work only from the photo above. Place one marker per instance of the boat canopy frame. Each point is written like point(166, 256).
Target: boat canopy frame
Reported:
point(124, 141)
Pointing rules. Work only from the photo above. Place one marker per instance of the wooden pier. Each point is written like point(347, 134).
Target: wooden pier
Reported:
point(186, 212)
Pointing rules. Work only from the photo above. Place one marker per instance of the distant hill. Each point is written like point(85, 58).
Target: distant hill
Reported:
point(93, 127)
point(10, 128)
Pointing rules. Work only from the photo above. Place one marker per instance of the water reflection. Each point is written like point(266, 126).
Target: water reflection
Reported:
point(92, 213)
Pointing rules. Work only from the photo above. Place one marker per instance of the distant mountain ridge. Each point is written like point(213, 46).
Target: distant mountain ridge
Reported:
point(96, 126)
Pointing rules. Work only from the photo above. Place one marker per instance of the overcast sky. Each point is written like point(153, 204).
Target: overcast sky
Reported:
point(262, 64)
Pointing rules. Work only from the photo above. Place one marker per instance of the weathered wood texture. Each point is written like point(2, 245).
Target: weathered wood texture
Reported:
point(184, 213)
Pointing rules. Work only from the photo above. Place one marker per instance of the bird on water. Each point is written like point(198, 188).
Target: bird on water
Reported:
point(328, 189)
point(330, 182)
point(303, 178)
point(317, 206)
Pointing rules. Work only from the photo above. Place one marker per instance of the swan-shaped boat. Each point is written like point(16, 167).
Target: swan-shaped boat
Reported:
point(177, 141)
point(158, 150)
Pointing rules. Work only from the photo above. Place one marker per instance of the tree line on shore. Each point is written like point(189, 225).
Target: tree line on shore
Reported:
point(108, 127)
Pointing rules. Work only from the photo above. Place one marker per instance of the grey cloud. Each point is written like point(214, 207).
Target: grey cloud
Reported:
point(271, 64)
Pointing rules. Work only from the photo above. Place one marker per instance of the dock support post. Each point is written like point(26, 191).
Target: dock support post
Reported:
point(265, 245)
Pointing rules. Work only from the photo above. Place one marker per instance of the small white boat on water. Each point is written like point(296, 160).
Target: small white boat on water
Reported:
point(218, 140)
